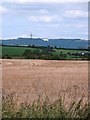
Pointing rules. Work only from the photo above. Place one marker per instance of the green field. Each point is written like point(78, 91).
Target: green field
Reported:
point(14, 51)
point(18, 52)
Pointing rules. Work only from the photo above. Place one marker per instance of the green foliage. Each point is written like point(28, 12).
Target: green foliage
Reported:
point(47, 53)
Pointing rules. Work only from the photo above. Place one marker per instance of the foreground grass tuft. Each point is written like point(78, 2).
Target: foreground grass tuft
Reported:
point(44, 110)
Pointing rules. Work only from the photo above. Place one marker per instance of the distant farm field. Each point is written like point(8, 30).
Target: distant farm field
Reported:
point(14, 51)
point(41, 53)
point(29, 79)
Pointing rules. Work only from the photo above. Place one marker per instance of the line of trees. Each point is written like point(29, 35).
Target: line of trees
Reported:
point(50, 54)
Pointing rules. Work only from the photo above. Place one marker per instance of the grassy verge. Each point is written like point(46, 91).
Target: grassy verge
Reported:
point(37, 109)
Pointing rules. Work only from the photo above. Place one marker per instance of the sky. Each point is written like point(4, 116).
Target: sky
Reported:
point(45, 19)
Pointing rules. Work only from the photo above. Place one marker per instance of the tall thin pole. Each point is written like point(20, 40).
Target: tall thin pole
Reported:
point(31, 35)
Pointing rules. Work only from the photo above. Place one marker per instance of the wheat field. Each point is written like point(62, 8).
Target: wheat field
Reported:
point(30, 79)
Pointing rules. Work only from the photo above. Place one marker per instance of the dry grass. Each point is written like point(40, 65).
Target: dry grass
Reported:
point(30, 79)
point(37, 109)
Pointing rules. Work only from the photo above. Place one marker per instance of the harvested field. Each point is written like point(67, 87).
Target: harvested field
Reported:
point(30, 79)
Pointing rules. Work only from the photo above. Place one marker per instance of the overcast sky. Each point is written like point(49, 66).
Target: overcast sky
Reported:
point(53, 19)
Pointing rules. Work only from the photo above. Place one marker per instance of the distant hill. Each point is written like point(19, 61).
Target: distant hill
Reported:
point(60, 43)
